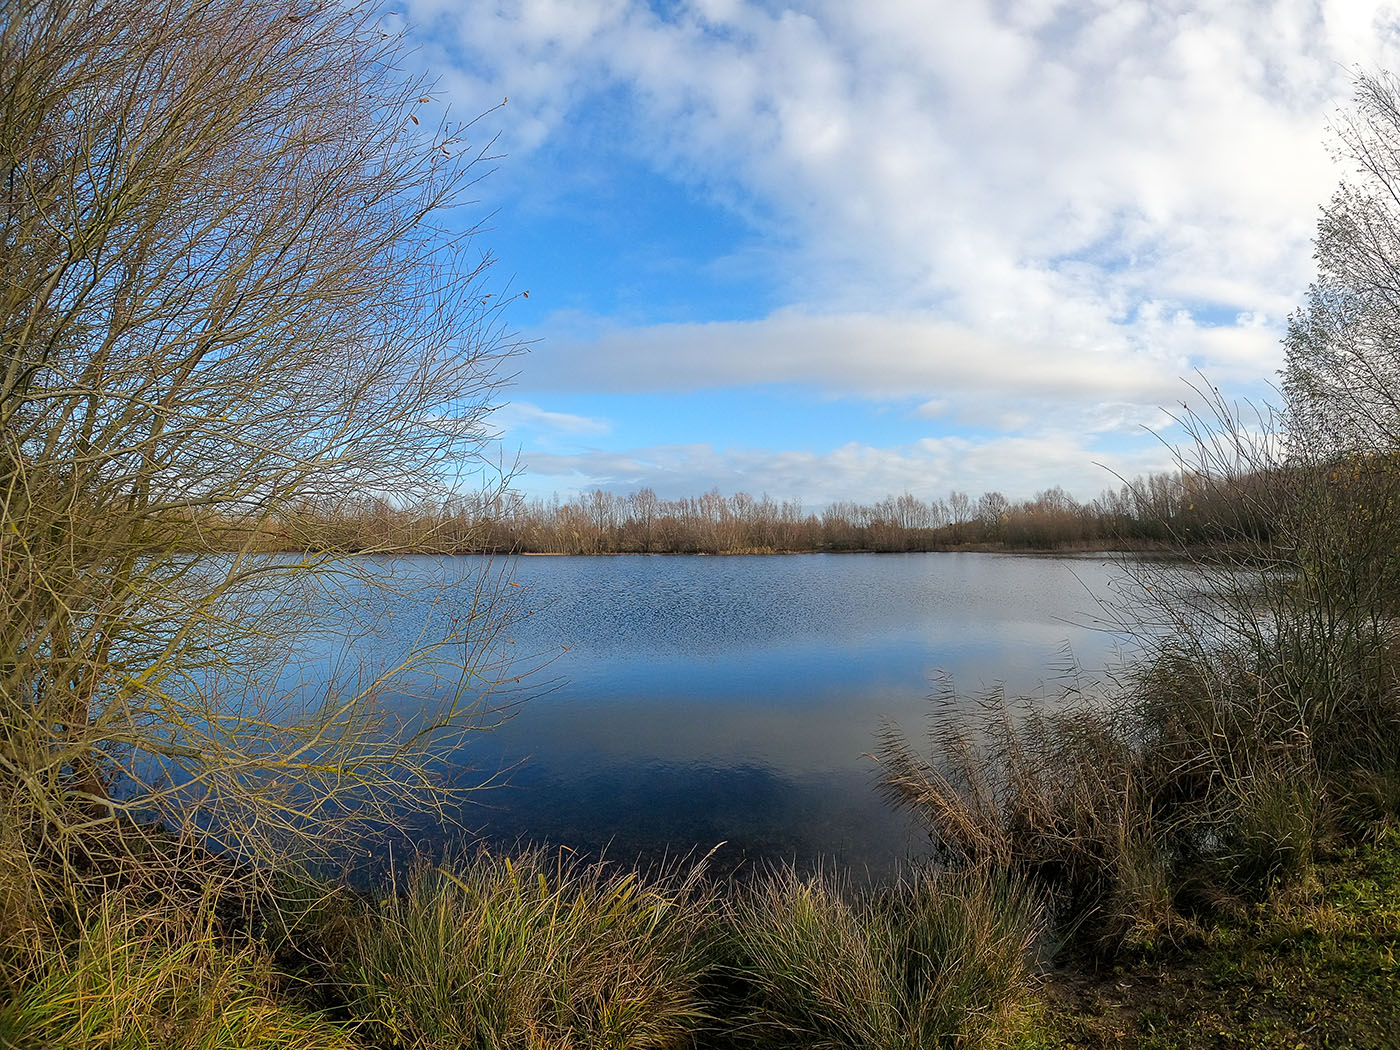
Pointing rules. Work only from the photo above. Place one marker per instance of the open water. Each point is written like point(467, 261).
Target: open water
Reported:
point(681, 702)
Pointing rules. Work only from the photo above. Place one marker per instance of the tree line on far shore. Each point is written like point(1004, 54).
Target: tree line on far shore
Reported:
point(1159, 509)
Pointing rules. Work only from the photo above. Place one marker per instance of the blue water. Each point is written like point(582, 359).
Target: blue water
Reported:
point(680, 702)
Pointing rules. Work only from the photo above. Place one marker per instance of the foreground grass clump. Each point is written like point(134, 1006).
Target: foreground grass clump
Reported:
point(934, 961)
point(135, 977)
point(535, 951)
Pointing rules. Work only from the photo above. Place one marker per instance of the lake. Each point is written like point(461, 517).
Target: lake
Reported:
point(688, 701)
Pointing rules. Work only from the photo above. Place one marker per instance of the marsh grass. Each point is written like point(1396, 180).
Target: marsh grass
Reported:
point(933, 961)
point(1205, 779)
point(539, 950)
point(1056, 796)
point(135, 977)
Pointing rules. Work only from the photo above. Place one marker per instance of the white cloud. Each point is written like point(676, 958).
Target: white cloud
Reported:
point(934, 409)
point(1020, 466)
point(1004, 164)
point(1019, 208)
point(516, 415)
point(1074, 358)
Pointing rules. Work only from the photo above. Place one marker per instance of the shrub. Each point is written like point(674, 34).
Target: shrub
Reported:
point(1056, 796)
point(1191, 783)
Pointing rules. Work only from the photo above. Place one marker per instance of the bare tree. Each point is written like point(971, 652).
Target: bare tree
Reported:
point(227, 291)
point(959, 507)
point(1342, 377)
point(643, 505)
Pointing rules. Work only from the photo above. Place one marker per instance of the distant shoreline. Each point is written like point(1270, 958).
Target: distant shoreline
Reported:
point(1036, 552)
point(1145, 550)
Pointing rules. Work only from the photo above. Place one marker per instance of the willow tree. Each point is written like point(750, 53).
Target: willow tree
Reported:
point(228, 289)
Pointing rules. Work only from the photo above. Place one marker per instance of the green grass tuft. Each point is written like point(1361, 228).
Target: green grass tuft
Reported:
point(535, 951)
point(139, 979)
point(932, 962)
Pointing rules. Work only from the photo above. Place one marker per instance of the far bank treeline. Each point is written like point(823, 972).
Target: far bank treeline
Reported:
point(1160, 509)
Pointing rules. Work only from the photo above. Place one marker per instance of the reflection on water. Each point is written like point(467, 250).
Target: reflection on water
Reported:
point(708, 699)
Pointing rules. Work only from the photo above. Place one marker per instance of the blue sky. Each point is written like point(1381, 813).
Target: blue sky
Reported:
point(840, 250)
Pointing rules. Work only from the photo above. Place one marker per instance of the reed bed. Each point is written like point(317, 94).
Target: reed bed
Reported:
point(1202, 783)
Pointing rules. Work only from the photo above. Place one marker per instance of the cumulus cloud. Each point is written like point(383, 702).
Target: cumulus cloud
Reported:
point(1002, 162)
point(1074, 200)
point(916, 139)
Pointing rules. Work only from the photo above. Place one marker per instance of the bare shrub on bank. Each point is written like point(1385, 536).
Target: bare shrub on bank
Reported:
point(227, 288)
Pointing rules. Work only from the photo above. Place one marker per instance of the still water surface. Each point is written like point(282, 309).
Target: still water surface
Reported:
point(698, 700)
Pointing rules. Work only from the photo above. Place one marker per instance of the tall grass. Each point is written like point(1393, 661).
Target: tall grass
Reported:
point(135, 978)
point(934, 961)
point(1178, 793)
point(1058, 797)
point(1261, 719)
point(534, 951)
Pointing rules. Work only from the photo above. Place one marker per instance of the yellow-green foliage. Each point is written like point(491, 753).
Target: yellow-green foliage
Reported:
point(932, 962)
point(531, 952)
point(134, 980)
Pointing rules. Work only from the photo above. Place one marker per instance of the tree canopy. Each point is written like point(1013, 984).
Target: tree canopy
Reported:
point(1342, 372)
point(228, 285)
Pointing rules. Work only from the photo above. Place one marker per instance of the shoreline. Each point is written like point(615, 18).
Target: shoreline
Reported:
point(1068, 551)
